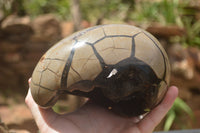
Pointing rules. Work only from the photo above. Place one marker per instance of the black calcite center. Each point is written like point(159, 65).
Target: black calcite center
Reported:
point(129, 88)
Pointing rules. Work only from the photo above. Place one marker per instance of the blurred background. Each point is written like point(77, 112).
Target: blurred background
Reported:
point(29, 27)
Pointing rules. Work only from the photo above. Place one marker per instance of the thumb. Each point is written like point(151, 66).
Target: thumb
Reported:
point(43, 117)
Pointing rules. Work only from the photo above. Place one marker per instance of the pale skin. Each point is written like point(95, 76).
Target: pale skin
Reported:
point(94, 119)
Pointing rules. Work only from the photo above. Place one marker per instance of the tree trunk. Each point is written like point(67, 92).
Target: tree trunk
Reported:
point(18, 8)
point(76, 14)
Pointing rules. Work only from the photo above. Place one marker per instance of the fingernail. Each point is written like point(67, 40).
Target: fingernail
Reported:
point(29, 80)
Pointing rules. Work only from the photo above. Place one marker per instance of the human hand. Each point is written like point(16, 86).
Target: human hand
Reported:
point(94, 119)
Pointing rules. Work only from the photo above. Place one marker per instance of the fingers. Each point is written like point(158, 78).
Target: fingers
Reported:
point(43, 117)
point(156, 115)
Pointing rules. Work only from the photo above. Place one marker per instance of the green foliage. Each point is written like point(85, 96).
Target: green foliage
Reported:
point(106, 9)
point(145, 11)
point(91, 10)
point(58, 7)
point(179, 107)
point(170, 10)
point(171, 115)
point(165, 11)
point(192, 37)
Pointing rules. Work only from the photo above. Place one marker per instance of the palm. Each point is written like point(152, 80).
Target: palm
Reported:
point(94, 119)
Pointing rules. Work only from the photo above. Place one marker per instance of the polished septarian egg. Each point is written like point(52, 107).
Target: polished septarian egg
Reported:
point(120, 67)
